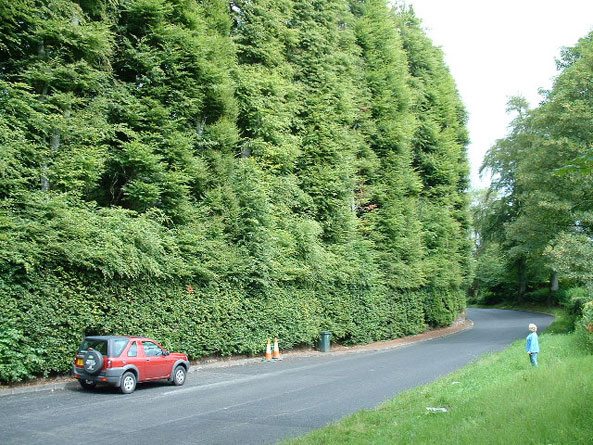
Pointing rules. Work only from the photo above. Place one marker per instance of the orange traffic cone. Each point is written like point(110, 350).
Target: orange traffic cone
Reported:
point(276, 354)
point(268, 352)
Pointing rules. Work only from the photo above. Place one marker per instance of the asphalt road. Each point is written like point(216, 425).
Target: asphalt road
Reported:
point(256, 403)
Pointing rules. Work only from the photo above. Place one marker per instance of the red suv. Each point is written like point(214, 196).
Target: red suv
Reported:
point(125, 361)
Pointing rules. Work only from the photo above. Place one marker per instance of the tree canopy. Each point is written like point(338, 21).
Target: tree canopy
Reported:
point(536, 221)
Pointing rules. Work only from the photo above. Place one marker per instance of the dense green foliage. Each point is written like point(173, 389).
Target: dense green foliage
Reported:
point(500, 399)
point(535, 224)
point(213, 174)
point(584, 326)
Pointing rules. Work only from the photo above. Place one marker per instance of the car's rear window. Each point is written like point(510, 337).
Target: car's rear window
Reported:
point(118, 345)
point(97, 345)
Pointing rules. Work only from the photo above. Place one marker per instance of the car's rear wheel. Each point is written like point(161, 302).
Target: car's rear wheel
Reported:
point(179, 376)
point(128, 383)
point(87, 384)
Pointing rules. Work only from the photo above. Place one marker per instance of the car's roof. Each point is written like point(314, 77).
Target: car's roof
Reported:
point(105, 337)
point(112, 337)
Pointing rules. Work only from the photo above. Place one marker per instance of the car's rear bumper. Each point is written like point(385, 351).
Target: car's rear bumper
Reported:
point(111, 376)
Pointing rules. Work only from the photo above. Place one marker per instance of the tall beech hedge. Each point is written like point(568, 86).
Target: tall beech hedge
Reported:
point(214, 173)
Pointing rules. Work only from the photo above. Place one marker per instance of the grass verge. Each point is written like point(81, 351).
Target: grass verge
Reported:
point(500, 399)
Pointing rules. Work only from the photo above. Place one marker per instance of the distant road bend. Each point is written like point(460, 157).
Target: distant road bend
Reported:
point(257, 403)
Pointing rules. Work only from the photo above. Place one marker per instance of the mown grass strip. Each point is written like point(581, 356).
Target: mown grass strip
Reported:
point(500, 399)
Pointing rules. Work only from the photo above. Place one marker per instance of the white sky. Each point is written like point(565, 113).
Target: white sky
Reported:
point(498, 49)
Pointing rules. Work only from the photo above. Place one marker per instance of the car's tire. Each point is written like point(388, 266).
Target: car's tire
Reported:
point(179, 375)
point(87, 384)
point(128, 383)
point(93, 361)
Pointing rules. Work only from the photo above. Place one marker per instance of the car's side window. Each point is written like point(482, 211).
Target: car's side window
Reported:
point(151, 349)
point(133, 351)
point(118, 347)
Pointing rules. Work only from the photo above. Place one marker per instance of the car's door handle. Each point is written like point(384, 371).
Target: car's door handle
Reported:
point(147, 359)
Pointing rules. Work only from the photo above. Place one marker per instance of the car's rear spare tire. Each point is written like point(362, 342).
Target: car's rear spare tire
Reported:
point(93, 361)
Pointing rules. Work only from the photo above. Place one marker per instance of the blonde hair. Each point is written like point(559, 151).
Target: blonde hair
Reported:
point(532, 327)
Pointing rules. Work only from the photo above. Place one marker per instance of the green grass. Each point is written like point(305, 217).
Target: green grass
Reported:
point(499, 399)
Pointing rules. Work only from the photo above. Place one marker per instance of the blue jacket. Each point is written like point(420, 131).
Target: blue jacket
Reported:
point(532, 343)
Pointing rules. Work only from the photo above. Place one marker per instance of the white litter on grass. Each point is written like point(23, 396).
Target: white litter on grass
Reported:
point(455, 383)
point(436, 410)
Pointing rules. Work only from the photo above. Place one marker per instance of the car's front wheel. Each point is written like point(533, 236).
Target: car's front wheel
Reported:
point(179, 376)
point(87, 384)
point(128, 383)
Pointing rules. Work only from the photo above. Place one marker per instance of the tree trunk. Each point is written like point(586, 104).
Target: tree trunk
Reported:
point(553, 287)
point(42, 96)
point(56, 137)
point(522, 278)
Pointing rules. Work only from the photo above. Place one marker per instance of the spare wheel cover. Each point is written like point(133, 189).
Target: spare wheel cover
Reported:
point(93, 361)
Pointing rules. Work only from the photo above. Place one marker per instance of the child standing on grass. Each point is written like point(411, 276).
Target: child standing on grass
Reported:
point(532, 345)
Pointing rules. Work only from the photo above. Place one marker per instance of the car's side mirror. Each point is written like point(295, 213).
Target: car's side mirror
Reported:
point(166, 353)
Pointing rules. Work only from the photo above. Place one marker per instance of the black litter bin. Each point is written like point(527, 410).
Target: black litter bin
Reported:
point(324, 341)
